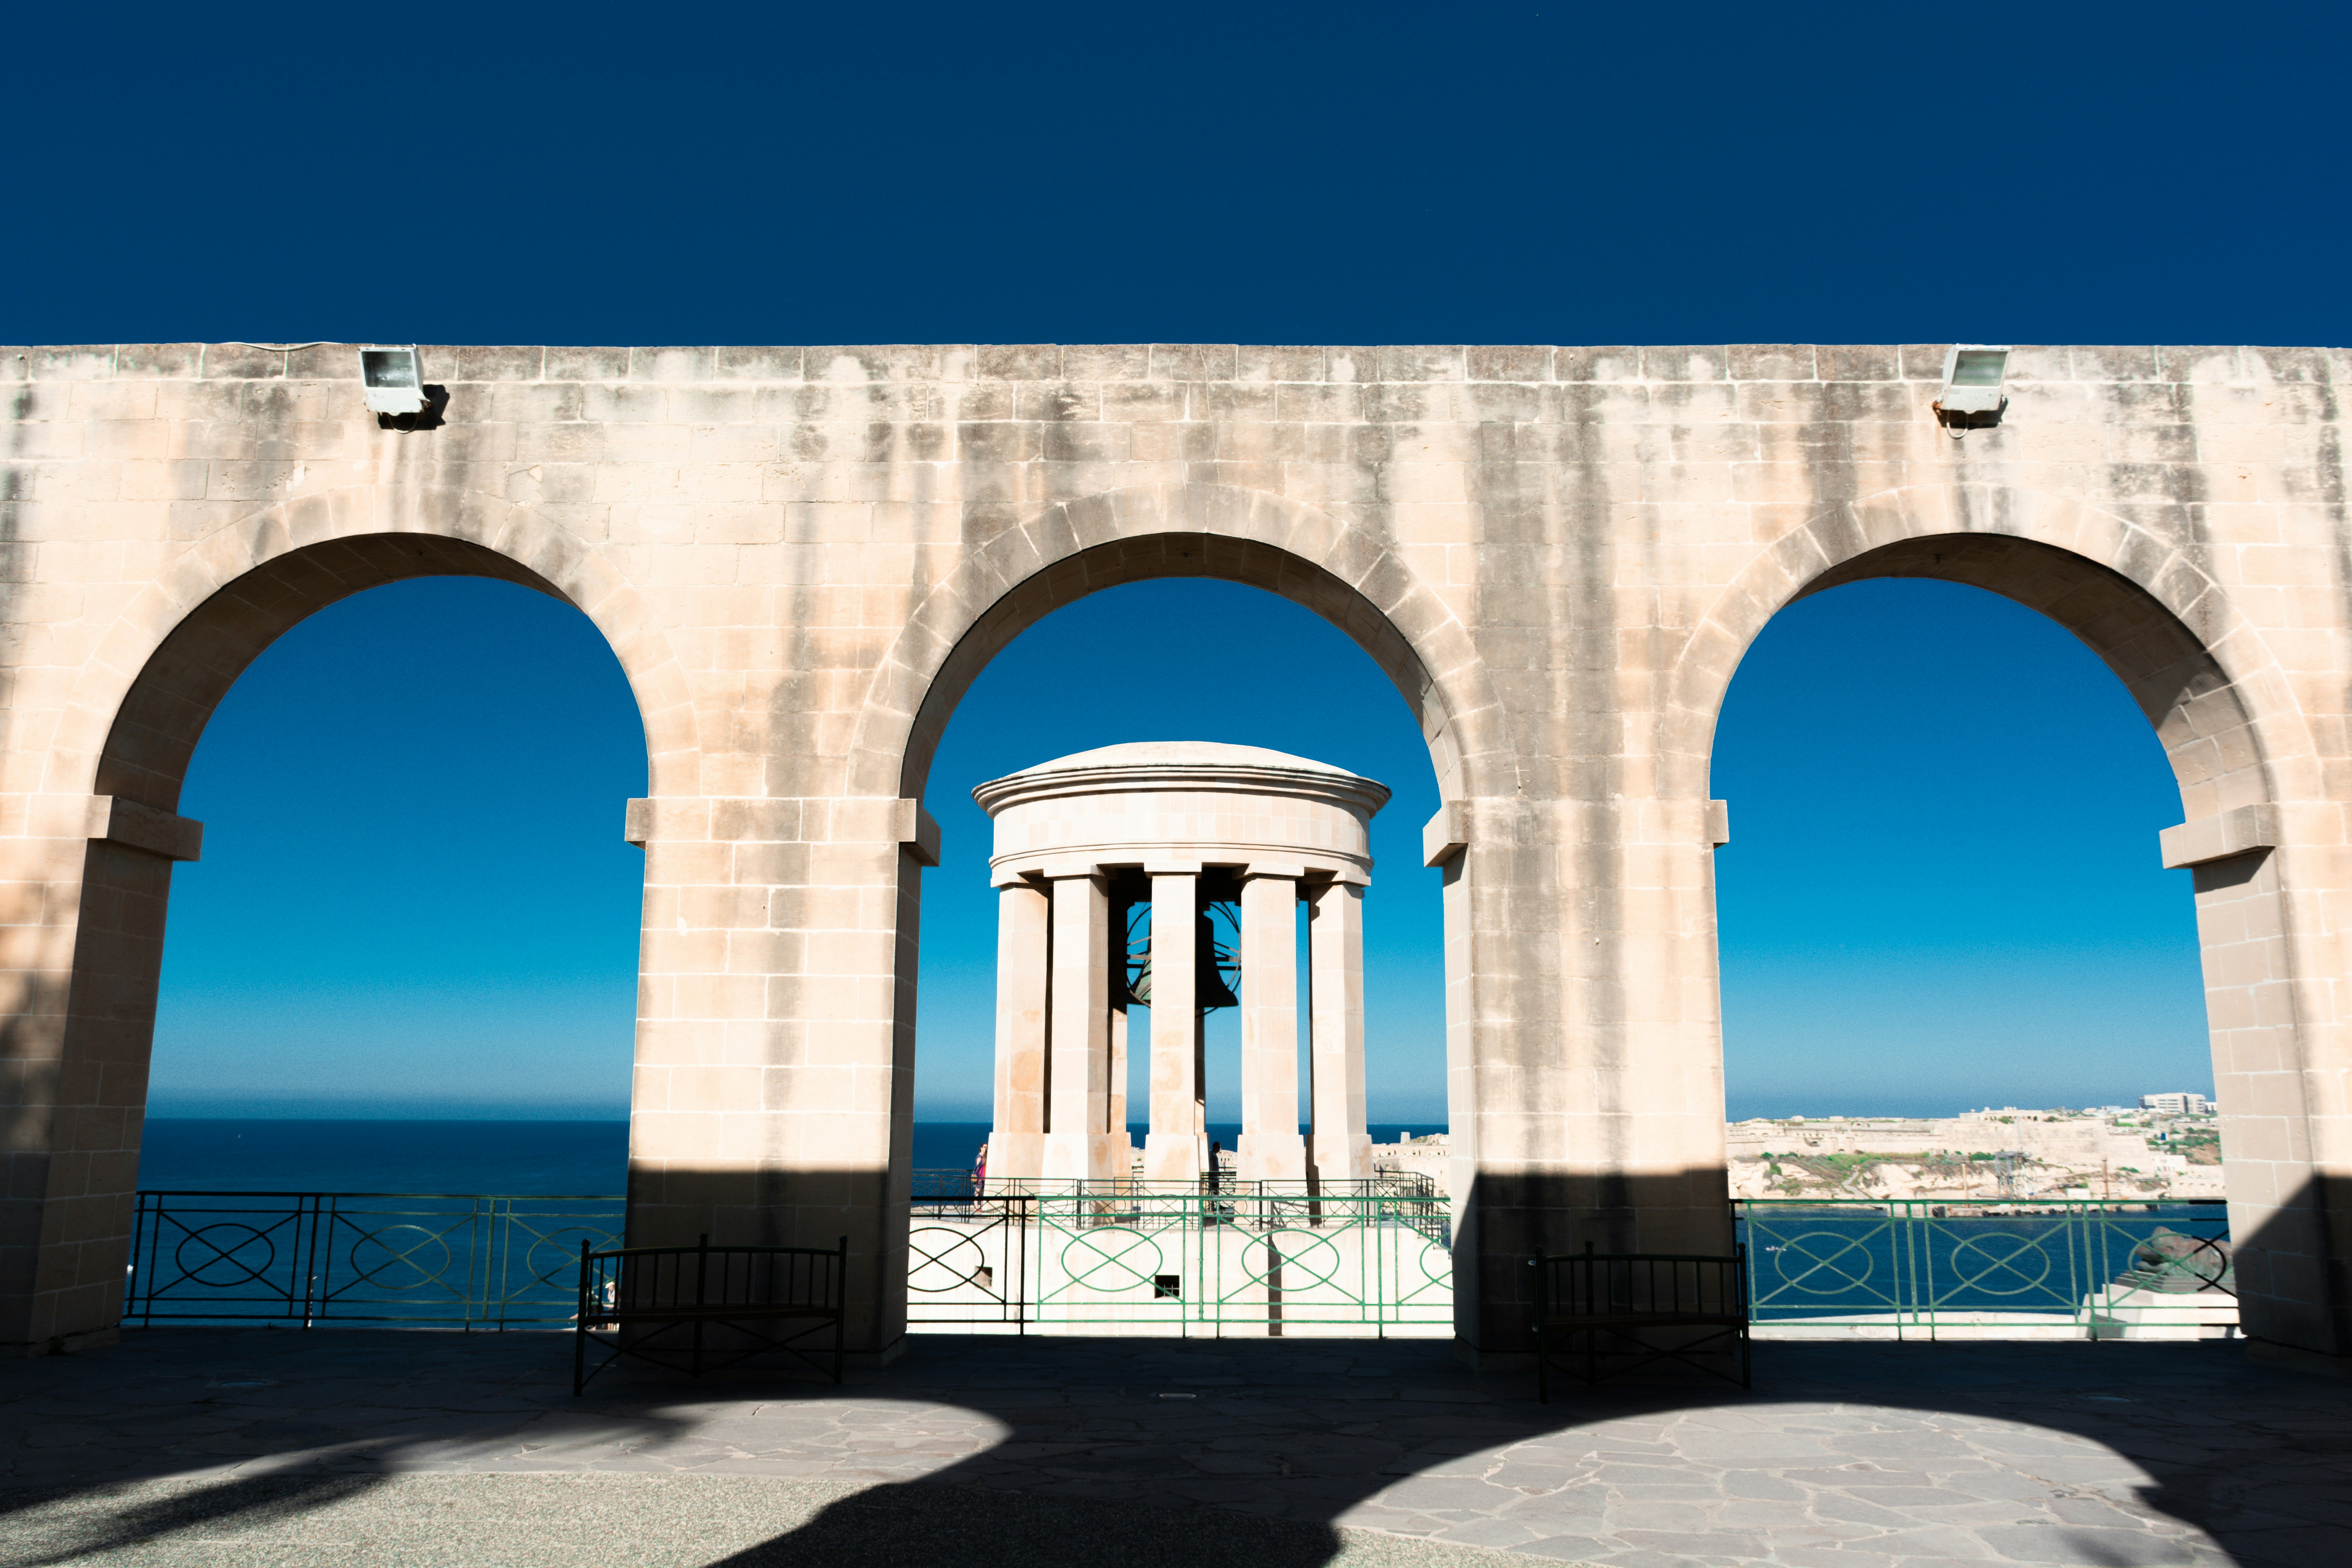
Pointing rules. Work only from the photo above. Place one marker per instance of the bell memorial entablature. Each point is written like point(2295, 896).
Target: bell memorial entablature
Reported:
point(1193, 801)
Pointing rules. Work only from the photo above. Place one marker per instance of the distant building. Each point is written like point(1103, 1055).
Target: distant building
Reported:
point(2176, 1104)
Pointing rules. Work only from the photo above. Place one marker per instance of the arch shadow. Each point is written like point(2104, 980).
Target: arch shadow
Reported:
point(997, 1451)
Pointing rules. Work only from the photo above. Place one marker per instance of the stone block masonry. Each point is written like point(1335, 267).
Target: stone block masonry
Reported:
point(802, 557)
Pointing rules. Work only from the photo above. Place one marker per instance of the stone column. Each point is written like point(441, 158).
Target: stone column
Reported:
point(1271, 1148)
point(773, 1100)
point(1335, 947)
point(90, 876)
point(1176, 1149)
point(1122, 1146)
point(1077, 1141)
point(1016, 1144)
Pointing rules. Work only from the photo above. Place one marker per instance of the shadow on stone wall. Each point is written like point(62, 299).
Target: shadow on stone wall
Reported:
point(2295, 1274)
point(1511, 1217)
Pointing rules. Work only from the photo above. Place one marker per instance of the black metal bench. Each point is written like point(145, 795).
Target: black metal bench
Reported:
point(641, 1301)
point(1613, 1299)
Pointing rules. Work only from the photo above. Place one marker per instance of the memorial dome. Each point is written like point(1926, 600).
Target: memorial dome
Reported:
point(1200, 802)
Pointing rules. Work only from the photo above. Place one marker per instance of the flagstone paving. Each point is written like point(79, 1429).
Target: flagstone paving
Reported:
point(382, 1447)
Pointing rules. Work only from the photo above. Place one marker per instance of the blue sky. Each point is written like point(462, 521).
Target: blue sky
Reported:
point(1942, 888)
point(1262, 172)
point(1942, 884)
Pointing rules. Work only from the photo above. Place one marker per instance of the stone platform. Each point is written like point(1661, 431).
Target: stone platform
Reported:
point(355, 1446)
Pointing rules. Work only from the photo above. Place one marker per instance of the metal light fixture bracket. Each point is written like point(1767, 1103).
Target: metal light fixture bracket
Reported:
point(393, 378)
point(1972, 396)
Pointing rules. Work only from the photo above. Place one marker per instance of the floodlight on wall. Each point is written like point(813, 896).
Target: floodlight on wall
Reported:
point(395, 379)
point(1972, 376)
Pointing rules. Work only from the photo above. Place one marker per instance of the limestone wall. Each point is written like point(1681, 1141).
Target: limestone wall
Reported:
point(802, 556)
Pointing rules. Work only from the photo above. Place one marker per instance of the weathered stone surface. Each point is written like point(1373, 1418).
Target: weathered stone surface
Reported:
point(802, 557)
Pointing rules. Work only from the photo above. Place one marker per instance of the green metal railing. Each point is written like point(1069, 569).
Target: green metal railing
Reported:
point(1257, 1259)
point(463, 1260)
point(1916, 1266)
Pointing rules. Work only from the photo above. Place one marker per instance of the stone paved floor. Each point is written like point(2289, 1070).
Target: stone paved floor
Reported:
point(359, 1447)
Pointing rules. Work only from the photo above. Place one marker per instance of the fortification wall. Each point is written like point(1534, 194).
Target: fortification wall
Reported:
point(802, 556)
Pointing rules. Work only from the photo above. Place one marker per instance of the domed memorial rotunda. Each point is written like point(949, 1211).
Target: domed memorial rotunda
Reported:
point(1168, 875)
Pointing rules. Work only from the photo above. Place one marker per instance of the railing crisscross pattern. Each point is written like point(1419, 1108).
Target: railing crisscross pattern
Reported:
point(305, 1257)
point(1913, 1265)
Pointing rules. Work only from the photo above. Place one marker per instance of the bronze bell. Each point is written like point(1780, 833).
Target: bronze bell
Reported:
point(1210, 966)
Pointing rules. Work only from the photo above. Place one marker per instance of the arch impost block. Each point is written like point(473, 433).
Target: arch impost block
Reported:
point(2217, 837)
point(1718, 823)
point(919, 832)
point(1445, 835)
point(785, 819)
point(115, 820)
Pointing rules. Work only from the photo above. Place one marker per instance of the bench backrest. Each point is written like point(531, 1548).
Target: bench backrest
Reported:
point(1589, 1284)
point(708, 1278)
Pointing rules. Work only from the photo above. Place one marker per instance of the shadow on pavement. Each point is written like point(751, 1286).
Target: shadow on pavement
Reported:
point(250, 1502)
point(922, 1522)
point(1048, 1451)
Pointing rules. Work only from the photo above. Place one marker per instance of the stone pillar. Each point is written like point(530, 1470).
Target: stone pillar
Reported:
point(2274, 1150)
point(1177, 1148)
point(92, 876)
point(1335, 946)
point(1016, 1144)
point(1122, 1146)
point(774, 1101)
point(1077, 1140)
point(1271, 1148)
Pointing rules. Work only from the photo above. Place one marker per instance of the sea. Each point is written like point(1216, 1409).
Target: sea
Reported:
point(538, 1158)
point(1804, 1262)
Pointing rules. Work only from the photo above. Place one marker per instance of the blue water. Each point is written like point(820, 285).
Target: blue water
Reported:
point(1815, 1262)
point(1805, 1262)
point(518, 1157)
point(283, 1156)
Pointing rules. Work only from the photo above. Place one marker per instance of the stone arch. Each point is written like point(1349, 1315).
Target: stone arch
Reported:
point(1071, 549)
point(2258, 817)
point(130, 726)
point(2218, 701)
point(138, 707)
point(1063, 552)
